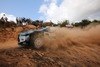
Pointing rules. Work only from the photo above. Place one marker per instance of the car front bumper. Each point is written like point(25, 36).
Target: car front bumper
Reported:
point(23, 44)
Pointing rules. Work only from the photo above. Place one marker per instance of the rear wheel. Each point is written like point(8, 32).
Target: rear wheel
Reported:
point(36, 40)
point(38, 43)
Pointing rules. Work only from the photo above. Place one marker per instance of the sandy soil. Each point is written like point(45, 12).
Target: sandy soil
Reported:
point(9, 44)
point(74, 56)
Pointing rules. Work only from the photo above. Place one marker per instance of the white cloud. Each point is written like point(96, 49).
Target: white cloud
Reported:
point(73, 10)
point(10, 17)
point(43, 9)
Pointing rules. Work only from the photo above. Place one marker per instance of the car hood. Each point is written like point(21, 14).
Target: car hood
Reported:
point(27, 32)
point(31, 31)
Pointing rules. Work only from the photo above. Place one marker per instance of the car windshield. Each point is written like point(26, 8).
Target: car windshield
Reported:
point(23, 34)
point(30, 31)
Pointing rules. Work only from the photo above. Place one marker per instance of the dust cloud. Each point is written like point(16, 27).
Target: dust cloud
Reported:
point(78, 46)
point(63, 38)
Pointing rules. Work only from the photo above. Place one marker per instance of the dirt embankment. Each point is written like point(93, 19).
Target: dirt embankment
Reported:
point(64, 48)
point(8, 36)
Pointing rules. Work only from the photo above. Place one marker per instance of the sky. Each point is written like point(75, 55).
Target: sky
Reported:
point(54, 10)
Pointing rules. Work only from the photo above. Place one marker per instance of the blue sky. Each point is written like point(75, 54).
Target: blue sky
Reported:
point(21, 8)
point(54, 10)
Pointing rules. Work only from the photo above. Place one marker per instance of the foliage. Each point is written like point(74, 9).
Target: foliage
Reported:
point(64, 23)
point(38, 23)
point(85, 22)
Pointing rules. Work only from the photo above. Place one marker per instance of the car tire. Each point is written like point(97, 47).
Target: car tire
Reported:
point(36, 40)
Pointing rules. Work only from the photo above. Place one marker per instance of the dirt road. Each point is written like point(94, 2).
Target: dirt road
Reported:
point(9, 44)
point(74, 56)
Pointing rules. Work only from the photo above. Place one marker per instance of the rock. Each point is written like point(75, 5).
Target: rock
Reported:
point(29, 64)
point(24, 56)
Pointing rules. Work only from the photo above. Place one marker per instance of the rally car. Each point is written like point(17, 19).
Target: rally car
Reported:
point(32, 38)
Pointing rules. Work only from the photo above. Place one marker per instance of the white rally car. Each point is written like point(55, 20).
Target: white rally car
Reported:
point(32, 38)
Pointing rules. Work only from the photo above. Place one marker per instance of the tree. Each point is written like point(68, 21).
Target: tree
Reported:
point(64, 23)
point(96, 21)
point(84, 23)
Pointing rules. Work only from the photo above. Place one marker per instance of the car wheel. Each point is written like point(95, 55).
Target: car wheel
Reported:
point(38, 43)
point(36, 40)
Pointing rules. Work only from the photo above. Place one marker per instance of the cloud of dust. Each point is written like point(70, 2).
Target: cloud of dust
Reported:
point(63, 38)
point(75, 45)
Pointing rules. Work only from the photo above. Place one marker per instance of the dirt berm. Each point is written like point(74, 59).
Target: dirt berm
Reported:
point(11, 33)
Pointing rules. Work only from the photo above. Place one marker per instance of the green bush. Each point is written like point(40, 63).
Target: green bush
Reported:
point(64, 23)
